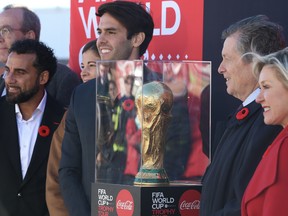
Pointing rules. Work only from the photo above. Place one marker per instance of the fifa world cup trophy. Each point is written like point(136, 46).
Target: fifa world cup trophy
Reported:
point(154, 103)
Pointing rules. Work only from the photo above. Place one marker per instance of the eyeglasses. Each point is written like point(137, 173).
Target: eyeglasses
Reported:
point(6, 31)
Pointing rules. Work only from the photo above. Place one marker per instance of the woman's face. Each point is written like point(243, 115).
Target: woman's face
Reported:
point(273, 97)
point(88, 65)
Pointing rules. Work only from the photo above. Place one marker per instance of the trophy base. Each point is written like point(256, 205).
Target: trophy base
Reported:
point(151, 177)
point(141, 200)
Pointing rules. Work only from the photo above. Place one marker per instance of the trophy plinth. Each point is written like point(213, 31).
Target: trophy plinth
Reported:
point(154, 103)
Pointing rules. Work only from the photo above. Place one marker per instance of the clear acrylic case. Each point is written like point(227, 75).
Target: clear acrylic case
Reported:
point(119, 135)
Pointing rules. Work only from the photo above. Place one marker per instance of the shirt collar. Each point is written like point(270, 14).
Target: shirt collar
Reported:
point(251, 97)
point(40, 108)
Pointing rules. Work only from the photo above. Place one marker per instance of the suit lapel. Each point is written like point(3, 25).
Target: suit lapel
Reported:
point(10, 139)
point(233, 123)
point(252, 107)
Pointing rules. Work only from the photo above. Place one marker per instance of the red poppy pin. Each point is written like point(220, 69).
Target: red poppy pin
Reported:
point(242, 113)
point(44, 131)
point(128, 104)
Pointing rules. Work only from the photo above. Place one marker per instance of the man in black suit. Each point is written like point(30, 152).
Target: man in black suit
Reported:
point(29, 117)
point(241, 145)
point(18, 23)
point(122, 36)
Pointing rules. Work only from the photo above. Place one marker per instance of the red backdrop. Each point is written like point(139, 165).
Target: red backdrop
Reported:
point(178, 32)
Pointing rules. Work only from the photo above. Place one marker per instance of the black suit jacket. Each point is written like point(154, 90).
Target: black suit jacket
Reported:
point(236, 157)
point(60, 86)
point(18, 196)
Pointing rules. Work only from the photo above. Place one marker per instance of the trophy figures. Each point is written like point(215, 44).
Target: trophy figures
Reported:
point(154, 103)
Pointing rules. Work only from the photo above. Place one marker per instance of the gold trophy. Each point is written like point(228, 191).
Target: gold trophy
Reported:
point(154, 103)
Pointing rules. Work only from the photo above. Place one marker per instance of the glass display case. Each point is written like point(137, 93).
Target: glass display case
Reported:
point(152, 137)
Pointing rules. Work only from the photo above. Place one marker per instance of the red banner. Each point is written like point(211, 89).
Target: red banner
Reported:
point(178, 31)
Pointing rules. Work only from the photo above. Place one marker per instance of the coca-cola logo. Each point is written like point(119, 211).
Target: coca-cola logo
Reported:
point(189, 203)
point(124, 203)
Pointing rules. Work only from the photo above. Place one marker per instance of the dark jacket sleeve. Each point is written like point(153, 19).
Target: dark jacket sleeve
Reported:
point(70, 170)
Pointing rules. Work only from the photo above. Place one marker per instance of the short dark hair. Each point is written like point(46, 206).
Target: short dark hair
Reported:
point(30, 20)
point(256, 34)
point(133, 17)
point(91, 45)
point(45, 58)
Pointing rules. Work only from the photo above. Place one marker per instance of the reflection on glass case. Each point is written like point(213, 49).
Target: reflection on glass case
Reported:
point(152, 122)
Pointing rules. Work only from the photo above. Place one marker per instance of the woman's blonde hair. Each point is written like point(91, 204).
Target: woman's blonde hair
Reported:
point(277, 60)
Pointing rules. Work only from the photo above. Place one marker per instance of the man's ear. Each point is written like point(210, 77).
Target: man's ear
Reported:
point(44, 77)
point(30, 35)
point(138, 39)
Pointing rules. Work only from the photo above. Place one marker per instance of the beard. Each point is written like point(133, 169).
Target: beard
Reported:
point(23, 96)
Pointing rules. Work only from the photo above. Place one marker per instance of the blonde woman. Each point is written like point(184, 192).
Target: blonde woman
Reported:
point(267, 192)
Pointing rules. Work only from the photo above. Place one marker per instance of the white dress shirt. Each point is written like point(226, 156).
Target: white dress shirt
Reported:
point(27, 133)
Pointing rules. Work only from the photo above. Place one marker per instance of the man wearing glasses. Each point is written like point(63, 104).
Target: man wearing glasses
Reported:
point(18, 23)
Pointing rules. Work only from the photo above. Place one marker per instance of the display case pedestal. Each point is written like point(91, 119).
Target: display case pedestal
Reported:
point(175, 199)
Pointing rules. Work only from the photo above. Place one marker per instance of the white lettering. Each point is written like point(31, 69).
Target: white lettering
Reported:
point(157, 206)
point(101, 191)
point(164, 29)
point(91, 21)
point(105, 197)
point(163, 200)
point(157, 194)
point(174, 28)
point(102, 202)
